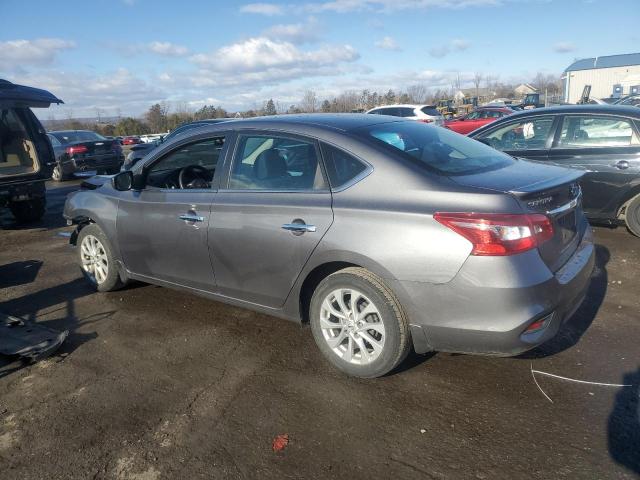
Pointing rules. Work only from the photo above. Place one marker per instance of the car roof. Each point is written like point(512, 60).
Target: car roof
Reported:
point(589, 108)
point(326, 121)
point(71, 131)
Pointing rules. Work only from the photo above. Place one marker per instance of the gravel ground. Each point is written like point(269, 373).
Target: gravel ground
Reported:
point(154, 384)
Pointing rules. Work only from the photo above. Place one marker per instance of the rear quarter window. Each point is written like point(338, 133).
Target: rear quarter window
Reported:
point(342, 168)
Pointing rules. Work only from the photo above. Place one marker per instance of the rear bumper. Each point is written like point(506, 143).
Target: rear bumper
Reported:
point(491, 302)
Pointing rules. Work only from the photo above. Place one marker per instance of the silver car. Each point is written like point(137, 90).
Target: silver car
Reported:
point(383, 234)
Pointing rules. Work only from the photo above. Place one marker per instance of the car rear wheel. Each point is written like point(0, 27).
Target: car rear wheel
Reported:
point(96, 259)
point(28, 210)
point(358, 323)
point(632, 216)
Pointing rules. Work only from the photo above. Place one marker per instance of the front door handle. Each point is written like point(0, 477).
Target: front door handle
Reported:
point(191, 217)
point(622, 165)
point(299, 228)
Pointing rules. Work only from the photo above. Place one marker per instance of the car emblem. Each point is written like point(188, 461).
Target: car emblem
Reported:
point(539, 202)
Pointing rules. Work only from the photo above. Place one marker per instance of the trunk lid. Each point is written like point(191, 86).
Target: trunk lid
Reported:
point(17, 96)
point(550, 190)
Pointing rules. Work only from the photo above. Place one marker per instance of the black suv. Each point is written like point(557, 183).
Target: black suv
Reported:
point(26, 156)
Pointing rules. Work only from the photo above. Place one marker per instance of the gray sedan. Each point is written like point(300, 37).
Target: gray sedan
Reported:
point(383, 234)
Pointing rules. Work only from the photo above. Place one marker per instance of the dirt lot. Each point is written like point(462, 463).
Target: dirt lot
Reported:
point(155, 384)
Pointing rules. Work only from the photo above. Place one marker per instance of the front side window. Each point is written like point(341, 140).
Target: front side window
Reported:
point(434, 148)
point(527, 134)
point(273, 162)
point(583, 131)
point(473, 116)
point(17, 151)
point(189, 166)
point(342, 167)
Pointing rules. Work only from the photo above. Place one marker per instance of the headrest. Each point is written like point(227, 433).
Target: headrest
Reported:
point(269, 164)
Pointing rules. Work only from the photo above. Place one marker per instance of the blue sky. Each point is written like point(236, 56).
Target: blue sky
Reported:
point(121, 56)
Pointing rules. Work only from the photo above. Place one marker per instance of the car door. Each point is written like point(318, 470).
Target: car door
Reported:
point(270, 215)
point(529, 137)
point(163, 227)
point(608, 148)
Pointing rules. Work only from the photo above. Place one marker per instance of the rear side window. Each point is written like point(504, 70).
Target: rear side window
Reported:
point(434, 148)
point(342, 168)
point(405, 112)
point(579, 132)
point(430, 110)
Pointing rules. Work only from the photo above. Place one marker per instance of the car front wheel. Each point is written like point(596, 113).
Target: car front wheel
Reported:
point(96, 259)
point(358, 323)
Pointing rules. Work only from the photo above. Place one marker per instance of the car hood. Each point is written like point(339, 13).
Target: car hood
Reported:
point(520, 178)
point(13, 95)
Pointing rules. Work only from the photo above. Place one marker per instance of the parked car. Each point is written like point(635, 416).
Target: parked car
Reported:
point(380, 232)
point(476, 119)
point(139, 151)
point(420, 113)
point(631, 100)
point(130, 140)
point(81, 150)
point(601, 140)
point(26, 157)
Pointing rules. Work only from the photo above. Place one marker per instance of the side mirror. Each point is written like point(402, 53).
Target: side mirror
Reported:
point(122, 181)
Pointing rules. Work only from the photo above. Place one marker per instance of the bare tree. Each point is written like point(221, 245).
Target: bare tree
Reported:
point(477, 79)
point(417, 93)
point(309, 102)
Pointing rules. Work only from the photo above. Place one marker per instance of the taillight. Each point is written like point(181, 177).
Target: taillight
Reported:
point(77, 149)
point(499, 234)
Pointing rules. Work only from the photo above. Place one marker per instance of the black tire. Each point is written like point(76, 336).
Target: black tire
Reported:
point(28, 210)
point(397, 342)
point(57, 174)
point(632, 216)
point(112, 281)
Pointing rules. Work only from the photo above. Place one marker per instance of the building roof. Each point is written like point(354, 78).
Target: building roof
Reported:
point(608, 61)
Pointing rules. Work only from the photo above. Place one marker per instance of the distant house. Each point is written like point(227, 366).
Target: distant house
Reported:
point(483, 94)
point(612, 75)
point(524, 89)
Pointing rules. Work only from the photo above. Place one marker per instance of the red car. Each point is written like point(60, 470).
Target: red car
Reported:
point(131, 141)
point(477, 119)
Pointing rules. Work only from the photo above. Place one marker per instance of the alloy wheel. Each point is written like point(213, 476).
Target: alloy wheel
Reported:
point(352, 326)
point(94, 258)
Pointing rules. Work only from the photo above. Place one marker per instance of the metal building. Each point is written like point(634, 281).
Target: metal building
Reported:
point(609, 76)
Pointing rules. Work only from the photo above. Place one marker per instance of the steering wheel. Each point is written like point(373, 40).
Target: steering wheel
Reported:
point(193, 176)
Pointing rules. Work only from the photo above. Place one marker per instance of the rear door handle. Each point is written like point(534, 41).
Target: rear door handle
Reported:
point(189, 217)
point(299, 227)
point(622, 165)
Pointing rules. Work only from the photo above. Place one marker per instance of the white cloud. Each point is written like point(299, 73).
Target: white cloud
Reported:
point(168, 49)
point(455, 45)
point(41, 51)
point(564, 47)
point(388, 43)
point(268, 9)
point(261, 53)
point(295, 32)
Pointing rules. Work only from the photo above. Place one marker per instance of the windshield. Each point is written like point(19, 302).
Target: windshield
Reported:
point(436, 148)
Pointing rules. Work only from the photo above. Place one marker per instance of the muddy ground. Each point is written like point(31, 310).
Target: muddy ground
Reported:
point(154, 384)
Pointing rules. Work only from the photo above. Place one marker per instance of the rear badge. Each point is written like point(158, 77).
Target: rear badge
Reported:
point(539, 202)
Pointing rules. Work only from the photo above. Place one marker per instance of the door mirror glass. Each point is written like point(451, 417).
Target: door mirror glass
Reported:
point(122, 181)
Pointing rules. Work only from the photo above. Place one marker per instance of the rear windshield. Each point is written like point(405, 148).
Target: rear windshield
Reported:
point(431, 110)
point(435, 148)
point(77, 136)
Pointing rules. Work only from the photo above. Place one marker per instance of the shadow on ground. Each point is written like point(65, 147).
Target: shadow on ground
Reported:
point(623, 427)
point(63, 299)
point(571, 332)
